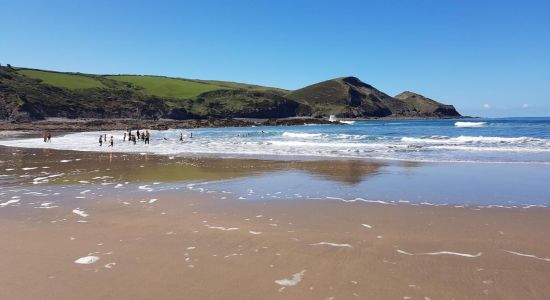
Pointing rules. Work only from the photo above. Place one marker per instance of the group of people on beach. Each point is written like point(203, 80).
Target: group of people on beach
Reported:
point(144, 136)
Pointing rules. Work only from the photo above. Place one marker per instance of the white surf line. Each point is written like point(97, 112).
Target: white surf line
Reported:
point(9, 202)
point(332, 244)
point(86, 260)
point(366, 226)
point(442, 253)
point(45, 179)
point(152, 201)
point(294, 280)
point(80, 212)
point(254, 232)
point(223, 228)
point(527, 255)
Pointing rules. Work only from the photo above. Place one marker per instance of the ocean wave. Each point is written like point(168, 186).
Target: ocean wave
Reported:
point(302, 134)
point(313, 144)
point(474, 139)
point(470, 124)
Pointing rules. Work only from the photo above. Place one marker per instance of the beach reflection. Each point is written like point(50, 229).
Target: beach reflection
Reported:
point(77, 166)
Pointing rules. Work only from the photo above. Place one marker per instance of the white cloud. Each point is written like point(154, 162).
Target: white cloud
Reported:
point(525, 105)
point(486, 106)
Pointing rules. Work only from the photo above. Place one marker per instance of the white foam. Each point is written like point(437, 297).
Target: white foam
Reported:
point(301, 135)
point(442, 253)
point(153, 201)
point(332, 244)
point(86, 260)
point(294, 280)
point(80, 212)
point(366, 226)
point(9, 202)
point(223, 228)
point(109, 265)
point(470, 124)
point(254, 232)
point(30, 168)
point(528, 255)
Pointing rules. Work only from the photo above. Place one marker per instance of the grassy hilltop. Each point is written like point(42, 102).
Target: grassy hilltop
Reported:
point(31, 94)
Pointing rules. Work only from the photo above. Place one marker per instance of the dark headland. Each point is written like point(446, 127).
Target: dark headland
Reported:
point(31, 98)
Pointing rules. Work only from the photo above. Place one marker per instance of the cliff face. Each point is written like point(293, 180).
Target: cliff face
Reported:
point(24, 98)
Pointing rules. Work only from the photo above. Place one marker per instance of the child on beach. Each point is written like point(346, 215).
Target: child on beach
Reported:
point(100, 140)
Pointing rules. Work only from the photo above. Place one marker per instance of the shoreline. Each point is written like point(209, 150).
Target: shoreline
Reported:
point(78, 125)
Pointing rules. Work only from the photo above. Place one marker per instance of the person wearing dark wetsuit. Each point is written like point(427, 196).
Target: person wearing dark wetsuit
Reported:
point(100, 140)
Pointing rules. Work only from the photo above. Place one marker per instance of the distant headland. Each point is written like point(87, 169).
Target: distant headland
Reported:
point(28, 95)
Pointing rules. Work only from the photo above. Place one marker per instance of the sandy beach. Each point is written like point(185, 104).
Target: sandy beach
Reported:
point(146, 227)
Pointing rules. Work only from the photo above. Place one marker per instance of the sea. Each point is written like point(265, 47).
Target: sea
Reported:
point(506, 140)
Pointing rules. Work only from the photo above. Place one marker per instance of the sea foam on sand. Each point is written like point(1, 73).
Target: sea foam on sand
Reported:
point(294, 280)
point(86, 260)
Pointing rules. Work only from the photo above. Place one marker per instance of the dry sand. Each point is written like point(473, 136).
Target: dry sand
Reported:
point(196, 246)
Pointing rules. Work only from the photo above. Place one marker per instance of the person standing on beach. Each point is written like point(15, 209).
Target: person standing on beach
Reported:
point(181, 136)
point(147, 137)
point(45, 136)
point(100, 140)
point(124, 138)
point(111, 142)
point(49, 137)
point(105, 137)
point(137, 133)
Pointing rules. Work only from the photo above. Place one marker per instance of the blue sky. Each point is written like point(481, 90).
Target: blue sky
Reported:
point(489, 58)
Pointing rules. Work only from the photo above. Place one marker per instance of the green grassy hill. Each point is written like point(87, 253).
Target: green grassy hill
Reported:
point(30, 94)
point(65, 80)
point(168, 87)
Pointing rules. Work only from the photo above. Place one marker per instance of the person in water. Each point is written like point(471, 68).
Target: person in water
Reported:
point(181, 136)
point(147, 136)
point(100, 140)
point(105, 137)
point(49, 137)
point(45, 136)
point(111, 142)
point(124, 138)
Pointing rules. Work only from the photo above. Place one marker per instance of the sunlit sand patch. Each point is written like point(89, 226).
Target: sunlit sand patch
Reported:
point(528, 255)
point(292, 281)
point(86, 260)
point(332, 244)
point(442, 253)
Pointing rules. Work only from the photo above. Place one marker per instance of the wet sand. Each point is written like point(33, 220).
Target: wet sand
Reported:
point(143, 240)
